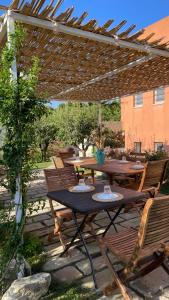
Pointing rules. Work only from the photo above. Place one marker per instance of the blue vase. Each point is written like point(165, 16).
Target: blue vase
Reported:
point(100, 157)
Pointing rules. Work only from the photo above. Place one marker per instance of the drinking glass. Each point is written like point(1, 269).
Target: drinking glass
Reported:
point(124, 158)
point(89, 180)
point(81, 181)
point(107, 189)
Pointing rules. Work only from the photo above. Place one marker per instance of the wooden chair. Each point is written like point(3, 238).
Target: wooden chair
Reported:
point(140, 252)
point(66, 154)
point(58, 162)
point(58, 179)
point(152, 177)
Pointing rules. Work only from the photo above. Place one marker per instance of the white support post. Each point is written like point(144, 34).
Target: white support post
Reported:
point(18, 194)
point(100, 119)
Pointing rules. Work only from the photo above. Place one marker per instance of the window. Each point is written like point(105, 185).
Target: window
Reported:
point(138, 100)
point(158, 146)
point(159, 95)
point(137, 147)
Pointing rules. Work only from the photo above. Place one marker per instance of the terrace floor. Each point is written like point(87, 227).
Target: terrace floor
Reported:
point(76, 267)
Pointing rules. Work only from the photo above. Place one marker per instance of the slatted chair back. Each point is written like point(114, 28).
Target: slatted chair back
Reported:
point(66, 155)
point(154, 225)
point(58, 162)
point(153, 231)
point(58, 179)
point(154, 174)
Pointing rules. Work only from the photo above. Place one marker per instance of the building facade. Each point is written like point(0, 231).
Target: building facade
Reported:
point(145, 116)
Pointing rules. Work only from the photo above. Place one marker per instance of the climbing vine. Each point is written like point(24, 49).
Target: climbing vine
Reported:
point(20, 108)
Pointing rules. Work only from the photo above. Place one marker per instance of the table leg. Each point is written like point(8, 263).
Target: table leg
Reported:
point(79, 232)
point(92, 174)
point(85, 246)
point(75, 236)
point(113, 219)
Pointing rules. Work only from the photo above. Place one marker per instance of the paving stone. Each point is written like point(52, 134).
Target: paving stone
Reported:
point(54, 249)
point(49, 222)
point(93, 248)
point(153, 282)
point(67, 274)
point(55, 262)
point(45, 231)
point(38, 218)
point(118, 296)
point(164, 296)
point(103, 278)
point(33, 227)
point(84, 265)
point(131, 223)
point(101, 215)
point(129, 215)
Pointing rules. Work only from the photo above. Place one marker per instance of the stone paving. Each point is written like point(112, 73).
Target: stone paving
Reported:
point(76, 266)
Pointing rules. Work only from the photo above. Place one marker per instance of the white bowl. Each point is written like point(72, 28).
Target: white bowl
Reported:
point(104, 196)
point(123, 161)
point(81, 188)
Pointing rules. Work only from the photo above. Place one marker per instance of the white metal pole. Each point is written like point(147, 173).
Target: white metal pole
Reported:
point(100, 122)
point(18, 194)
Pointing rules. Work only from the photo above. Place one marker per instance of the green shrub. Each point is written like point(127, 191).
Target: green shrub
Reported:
point(32, 246)
point(32, 250)
point(71, 291)
point(155, 155)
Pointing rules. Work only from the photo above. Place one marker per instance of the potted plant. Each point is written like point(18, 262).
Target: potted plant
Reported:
point(98, 138)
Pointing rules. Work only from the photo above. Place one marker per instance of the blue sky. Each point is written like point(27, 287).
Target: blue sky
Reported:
point(140, 12)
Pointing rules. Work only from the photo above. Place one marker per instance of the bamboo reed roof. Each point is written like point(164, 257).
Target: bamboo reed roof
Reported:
point(83, 61)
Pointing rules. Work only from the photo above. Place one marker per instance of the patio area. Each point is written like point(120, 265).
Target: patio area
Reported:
point(84, 63)
point(75, 266)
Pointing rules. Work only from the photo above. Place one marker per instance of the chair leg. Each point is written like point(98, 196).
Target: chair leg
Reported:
point(117, 283)
point(89, 223)
point(58, 231)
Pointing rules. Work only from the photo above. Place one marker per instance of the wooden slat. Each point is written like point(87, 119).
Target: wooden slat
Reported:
point(58, 4)
point(118, 27)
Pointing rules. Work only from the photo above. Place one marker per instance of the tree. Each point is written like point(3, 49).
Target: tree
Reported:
point(75, 122)
point(111, 111)
point(19, 111)
point(46, 134)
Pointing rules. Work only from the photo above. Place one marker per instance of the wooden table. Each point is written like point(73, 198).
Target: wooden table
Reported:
point(113, 167)
point(84, 204)
point(80, 161)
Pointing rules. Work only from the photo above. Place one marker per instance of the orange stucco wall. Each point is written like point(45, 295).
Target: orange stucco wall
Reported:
point(146, 124)
point(149, 123)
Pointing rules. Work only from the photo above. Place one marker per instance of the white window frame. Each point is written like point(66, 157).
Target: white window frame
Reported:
point(156, 144)
point(140, 144)
point(156, 95)
point(135, 100)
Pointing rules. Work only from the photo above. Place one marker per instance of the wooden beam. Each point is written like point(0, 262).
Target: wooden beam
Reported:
point(88, 35)
point(3, 7)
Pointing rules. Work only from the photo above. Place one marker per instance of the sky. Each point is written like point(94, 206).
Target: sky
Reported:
point(139, 12)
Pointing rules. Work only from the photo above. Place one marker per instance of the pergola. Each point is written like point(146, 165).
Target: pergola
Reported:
point(84, 61)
